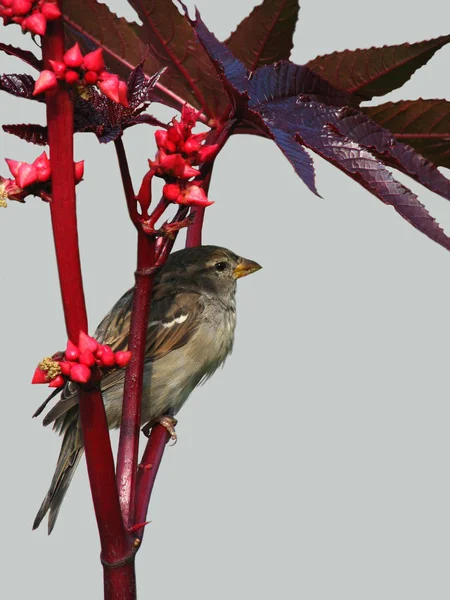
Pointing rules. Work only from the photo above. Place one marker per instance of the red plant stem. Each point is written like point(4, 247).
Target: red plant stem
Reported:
point(148, 470)
point(126, 180)
point(216, 136)
point(114, 540)
point(127, 455)
point(120, 583)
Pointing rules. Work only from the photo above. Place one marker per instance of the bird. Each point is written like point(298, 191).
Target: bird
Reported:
point(190, 334)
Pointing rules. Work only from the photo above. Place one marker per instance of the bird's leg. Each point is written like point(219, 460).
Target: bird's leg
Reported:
point(166, 421)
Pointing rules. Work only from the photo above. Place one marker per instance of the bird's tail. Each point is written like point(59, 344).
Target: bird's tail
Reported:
point(68, 460)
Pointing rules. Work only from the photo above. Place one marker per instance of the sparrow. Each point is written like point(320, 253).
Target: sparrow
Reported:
point(190, 333)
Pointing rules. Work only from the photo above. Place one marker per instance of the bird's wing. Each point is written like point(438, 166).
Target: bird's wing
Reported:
point(174, 318)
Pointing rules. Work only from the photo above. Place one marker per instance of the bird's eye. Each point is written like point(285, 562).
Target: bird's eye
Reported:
point(221, 266)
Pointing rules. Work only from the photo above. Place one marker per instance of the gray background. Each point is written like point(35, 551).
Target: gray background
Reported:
point(316, 464)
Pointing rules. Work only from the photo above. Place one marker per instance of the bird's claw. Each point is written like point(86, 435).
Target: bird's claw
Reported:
point(166, 421)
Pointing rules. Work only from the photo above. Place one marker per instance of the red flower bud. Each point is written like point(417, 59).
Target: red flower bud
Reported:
point(161, 138)
point(79, 170)
point(110, 87)
point(6, 13)
point(7, 3)
point(123, 91)
point(13, 166)
point(66, 366)
point(206, 153)
point(80, 373)
point(171, 164)
point(57, 382)
point(73, 57)
point(36, 23)
point(20, 7)
point(189, 172)
point(86, 342)
point(189, 116)
point(122, 358)
point(87, 358)
point(46, 81)
point(42, 161)
point(171, 191)
point(195, 196)
point(71, 77)
point(59, 68)
point(94, 61)
point(50, 11)
point(175, 132)
point(27, 175)
point(72, 351)
point(105, 356)
point(39, 376)
point(90, 77)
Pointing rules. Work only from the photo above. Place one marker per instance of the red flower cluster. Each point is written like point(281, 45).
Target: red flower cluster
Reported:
point(76, 363)
point(88, 69)
point(178, 151)
point(28, 175)
point(32, 15)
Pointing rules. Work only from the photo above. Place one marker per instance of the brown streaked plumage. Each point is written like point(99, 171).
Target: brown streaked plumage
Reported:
point(190, 334)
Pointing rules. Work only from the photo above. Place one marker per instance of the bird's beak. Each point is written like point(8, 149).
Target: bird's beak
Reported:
point(245, 267)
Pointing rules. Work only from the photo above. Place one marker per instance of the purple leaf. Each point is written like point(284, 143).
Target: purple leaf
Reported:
point(35, 134)
point(364, 168)
point(375, 71)
point(24, 55)
point(19, 85)
point(265, 36)
point(422, 124)
point(291, 106)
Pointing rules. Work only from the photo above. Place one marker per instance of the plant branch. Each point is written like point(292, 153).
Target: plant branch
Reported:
point(127, 456)
point(114, 542)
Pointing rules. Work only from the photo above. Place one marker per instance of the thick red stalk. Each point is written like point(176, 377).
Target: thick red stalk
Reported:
point(148, 470)
point(114, 541)
point(127, 456)
point(120, 583)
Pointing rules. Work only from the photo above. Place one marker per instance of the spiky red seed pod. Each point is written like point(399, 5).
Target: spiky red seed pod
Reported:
point(73, 57)
point(206, 153)
point(105, 356)
point(13, 166)
point(80, 373)
point(44, 174)
point(87, 343)
point(171, 191)
point(66, 366)
point(191, 145)
point(122, 358)
point(110, 88)
point(39, 376)
point(195, 196)
point(45, 82)
point(171, 164)
point(57, 382)
point(71, 77)
point(27, 175)
point(87, 358)
point(50, 11)
point(20, 7)
point(94, 61)
point(42, 161)
point(90, 77)
point(175, 133)
point(59, 68)
point(123, 94)
point(36, 23)
point(79, 170)
point(189, 172)
point(161, 138)
point(72, 351)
